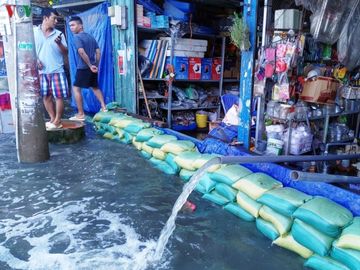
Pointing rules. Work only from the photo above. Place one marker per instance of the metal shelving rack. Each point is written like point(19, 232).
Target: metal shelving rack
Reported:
point(169, 107)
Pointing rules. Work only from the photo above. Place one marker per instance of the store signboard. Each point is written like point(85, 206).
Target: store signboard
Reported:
point(5, 28)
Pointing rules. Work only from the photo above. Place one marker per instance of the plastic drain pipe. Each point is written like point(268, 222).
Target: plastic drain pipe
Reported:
point(276, 159)
point(321, 177)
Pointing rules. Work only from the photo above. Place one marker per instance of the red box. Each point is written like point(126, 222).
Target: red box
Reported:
point(194, 68)
point(216, 68)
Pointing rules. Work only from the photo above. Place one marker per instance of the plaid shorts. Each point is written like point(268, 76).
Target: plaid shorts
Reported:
point(54, 84)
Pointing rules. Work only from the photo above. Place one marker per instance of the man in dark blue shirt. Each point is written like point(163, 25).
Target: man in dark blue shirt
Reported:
point(87, 66)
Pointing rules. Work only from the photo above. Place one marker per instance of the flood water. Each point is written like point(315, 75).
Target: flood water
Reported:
point(99, 205)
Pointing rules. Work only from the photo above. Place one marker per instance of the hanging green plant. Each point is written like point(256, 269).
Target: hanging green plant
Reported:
point(239, 33)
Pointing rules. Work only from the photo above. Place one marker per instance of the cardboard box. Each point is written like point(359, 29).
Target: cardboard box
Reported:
point(320, 90)
point(206, 67)
point(216, 68)
point(181, 68)
point(139, 15)
point(146, 22)
point(194, 68)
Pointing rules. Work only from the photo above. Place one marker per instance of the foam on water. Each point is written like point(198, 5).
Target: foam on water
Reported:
point(63, 237)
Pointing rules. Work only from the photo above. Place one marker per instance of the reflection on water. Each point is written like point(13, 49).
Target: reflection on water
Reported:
point(99, 205)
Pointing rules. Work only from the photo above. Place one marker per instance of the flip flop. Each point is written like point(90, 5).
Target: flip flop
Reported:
point(52, 126)
point(77, 118)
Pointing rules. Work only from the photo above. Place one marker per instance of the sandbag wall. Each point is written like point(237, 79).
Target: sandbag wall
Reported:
point(318, 229)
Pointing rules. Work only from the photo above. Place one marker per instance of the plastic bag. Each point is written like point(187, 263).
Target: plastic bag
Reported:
point(328, 20)
point(348, 46)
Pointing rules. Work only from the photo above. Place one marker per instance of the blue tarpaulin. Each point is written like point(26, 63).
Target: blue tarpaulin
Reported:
point(343, 197)
point(97, 23)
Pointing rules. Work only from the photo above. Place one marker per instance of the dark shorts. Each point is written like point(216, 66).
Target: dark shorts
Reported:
point(85, 78)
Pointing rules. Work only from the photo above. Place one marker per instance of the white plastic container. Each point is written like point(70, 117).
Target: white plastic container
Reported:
point(288, 19)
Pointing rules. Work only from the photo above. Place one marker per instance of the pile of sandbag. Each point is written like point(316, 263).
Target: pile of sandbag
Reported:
point(323, 232)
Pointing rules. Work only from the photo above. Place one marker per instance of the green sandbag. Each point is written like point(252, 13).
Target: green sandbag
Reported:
point(135, 127)
point(145, 155)
point(238, 211)
point(186, 160)
point(256, 184)
point(155, 161)
point(120, 132)
point(104, 117)
point(250, 205)
point(267, 229)
point(280, 222)
point(349, 257)
point(185, 175)
point(177, 147)
point(147, 133)
point(127, 138)
point(226, 191)
point(317, 262)
point(229, 174)
point(324, 215)
point(207, 184)
point(100, 130)
point(350, 236)
point(159, 140)
point(170, 160)
point(214, 197)
point(165, 168)
point(284, 200)
point(200, 188)
point(311, 238)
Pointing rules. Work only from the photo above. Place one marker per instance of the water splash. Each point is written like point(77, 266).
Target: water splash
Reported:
point(169, 227)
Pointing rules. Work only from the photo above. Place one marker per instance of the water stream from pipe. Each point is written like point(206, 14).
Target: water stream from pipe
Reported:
point(169, 227)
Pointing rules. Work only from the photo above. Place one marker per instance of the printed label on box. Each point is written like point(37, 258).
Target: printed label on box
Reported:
point(194, 68)
point(181, 67)
point(216, 68)
point(206, 66)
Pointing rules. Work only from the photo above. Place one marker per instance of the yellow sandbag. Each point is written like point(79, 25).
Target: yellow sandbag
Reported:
point(123, 123)
point(138, 145)
point(350, 236)
point(280, 222)
point(250, 205)
point(256, 184)
point(147, 149)
point(157, 153)
point(205, 158)
point(177, 147)
point(288, 242)
point(186, 160)
point(108, 135)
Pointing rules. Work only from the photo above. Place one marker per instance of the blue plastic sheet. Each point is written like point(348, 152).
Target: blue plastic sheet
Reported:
point(343, 197)
point(97, 23)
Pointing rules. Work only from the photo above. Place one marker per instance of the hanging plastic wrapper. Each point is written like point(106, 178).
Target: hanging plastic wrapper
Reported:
point(281, 90)
point(312, 5)
point(327, 22)
point(348, 46)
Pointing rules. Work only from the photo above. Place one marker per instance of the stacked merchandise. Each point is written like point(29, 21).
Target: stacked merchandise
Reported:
point(151, 20)
point(314, 227)
point(155, 51)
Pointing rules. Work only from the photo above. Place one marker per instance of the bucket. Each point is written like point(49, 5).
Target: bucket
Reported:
point(201, 119)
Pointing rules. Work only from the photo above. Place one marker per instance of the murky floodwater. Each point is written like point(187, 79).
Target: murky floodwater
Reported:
point(99, 205)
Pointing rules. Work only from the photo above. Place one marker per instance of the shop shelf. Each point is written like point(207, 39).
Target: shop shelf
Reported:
point(190, 109)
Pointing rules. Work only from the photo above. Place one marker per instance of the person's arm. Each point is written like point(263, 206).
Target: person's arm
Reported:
point(86, 59)
point(97, 57)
